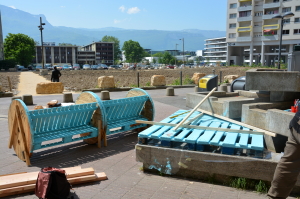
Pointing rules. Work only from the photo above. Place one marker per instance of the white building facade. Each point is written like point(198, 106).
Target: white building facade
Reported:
point(215, 51)
point(253, 35)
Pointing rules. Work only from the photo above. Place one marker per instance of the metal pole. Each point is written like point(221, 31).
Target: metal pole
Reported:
point(183, 50)
point(175, 52)
point(138, 79)
point(280, 43)
point(41, 29)
point(181, 78)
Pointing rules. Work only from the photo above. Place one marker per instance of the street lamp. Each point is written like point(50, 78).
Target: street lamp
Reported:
point(41, 29)
point(182, 50)
point(278, 16)
point(175, 52)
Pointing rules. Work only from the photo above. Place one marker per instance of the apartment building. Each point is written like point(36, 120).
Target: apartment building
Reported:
point(95, 53)
point(215, 51)
point(56, 55)
point(253, 34)
point(1, 41)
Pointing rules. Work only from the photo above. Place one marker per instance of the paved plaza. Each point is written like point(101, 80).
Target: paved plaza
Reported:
point(125, 176)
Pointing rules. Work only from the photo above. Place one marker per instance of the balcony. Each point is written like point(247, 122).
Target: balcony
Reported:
point(248, 18)
point(244, 8)
point(243, 39)
point(269, 38)
point(268, 16)
point(271, 27)
point(271, 5)
point(244, 29)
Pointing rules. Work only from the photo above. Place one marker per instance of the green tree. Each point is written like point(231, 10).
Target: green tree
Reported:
point(117, 51)
point(167, 58)
point(19, 47)
point(146, 54)
point(133, 51)
point(154, 61)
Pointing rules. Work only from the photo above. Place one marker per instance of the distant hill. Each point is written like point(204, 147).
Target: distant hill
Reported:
point(18, 21)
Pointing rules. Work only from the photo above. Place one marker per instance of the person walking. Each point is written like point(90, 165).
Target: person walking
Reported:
point(288, 168)
point(55, 75)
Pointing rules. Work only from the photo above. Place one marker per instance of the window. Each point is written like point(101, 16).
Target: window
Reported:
point(285, 21)
point(232, 35)
point(296, 31)
point(288, 9)
point(232, 25)
point(297, 8)
point(297, 20)
point(233, 5)
point(257, 14)
point(231, 16)
point(285, 32)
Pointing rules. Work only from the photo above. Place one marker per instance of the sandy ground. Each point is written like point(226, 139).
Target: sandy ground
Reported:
point(28, 82)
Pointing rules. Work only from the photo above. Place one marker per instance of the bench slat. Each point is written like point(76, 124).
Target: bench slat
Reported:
point(196, 133)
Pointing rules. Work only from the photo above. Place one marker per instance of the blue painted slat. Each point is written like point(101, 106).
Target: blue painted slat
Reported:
point(231, 138)
point(208, 134)
point(147, 133)
point(160, 132)
point(219, 134)
point(192, 138)
point(257, 142)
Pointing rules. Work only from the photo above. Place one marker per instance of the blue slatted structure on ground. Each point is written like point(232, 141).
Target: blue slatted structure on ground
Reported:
point(222, 141)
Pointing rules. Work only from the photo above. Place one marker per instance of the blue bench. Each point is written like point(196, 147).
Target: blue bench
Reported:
point(90, 119)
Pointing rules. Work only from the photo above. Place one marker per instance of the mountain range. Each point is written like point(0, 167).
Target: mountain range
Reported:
point(17, 21)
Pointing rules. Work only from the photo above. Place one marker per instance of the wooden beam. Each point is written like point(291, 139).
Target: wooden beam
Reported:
point(239, 123)
point(193, 119)
point(181, 123)
point(201, 127)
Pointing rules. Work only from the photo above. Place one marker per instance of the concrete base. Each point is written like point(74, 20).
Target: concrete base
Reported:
point(196, 164)
point(170, 91)
point(68, 97)
point(105, 95)
point(27, 99)
point(6, 94)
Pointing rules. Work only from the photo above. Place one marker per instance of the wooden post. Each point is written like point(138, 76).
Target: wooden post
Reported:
point(9, 83)
point(178, 125)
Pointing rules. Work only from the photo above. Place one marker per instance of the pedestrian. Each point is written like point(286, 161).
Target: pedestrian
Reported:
point(288, 168)
point(55, 75)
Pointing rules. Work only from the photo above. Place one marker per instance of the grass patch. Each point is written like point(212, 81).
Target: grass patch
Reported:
point(249, 184)
point(188, 80)
point(148, 84)
point(176, 82)
point(133, 86)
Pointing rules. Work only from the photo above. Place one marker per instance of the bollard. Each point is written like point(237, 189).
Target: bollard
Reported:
point(105, 95)
point(170, 91)
point(138, 79)
point(16, 97)
point(68, 97)
point(223, 87)
point(196, 89)
point(27, 99)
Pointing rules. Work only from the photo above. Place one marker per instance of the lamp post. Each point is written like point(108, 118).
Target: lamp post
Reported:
point(278, 16)
point(175, 52)
point(182, 50)
point(41, 29)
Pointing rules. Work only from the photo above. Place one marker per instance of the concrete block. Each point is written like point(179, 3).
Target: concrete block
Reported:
point(252, 94)
point(49, 87)
point(170, 161)
point(192, 99)
point(68, 97)
point(43, 72)
point(273, 80)
point(223, 88)
point(278, 121)
point(279, 96)
point(170, 91)
point(105, 95)
point(27, 99)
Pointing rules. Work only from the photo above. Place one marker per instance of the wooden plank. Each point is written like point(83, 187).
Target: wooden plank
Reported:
point(28, 178)
point(192, 111)
point(240, 123)
point(200, 127)
point(208, 134)
point(31, 187)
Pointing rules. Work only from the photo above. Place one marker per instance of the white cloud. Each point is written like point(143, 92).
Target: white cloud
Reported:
point(13, 7)
point(133, 10)
point(117, 21)
point(122, 8)
point(62, 6)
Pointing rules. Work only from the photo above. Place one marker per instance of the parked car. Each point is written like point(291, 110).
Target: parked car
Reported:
point(37, 68)
point(95, 67)
point(76, 67)
point(170, 67)
point(104, 66)
point(86, 67)
point(114, 66)
point(20, 67)
point(65, 67)
point(59, 67)
point(48, 66)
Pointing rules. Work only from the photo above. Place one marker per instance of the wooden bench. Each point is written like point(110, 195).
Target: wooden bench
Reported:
point(90, 119)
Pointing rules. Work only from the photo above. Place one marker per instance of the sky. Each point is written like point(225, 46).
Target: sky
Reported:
point(129, 14)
